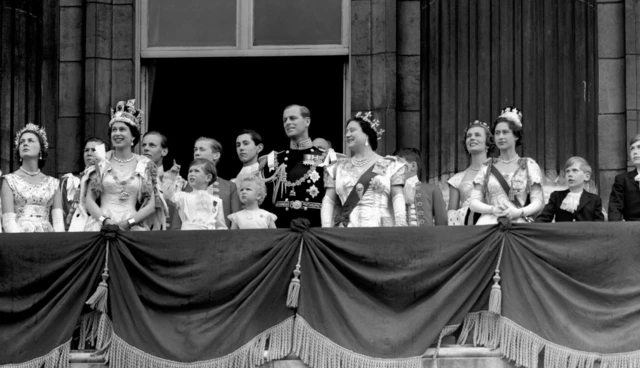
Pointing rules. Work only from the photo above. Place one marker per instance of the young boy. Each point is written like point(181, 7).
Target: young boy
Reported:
point(197, 209)
point(573, 204)
point(425, 204)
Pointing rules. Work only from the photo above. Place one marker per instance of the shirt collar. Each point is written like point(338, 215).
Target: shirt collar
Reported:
point(307, 143)
point(412, 180)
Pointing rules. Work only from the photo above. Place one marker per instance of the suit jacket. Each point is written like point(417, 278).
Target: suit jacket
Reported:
point(430, 207)
point(227, 191)
point(589, 208)
point(624, 202)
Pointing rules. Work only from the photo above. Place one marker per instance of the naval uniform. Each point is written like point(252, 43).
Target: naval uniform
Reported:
point(295, 185)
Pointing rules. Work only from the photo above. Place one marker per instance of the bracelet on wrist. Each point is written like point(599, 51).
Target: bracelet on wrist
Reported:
point(131, 221)
point(102, 219)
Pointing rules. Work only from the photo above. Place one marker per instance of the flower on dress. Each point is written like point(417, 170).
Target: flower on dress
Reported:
point(314, 176)
point(637, 178)
point(313, 191)
point(376, 185)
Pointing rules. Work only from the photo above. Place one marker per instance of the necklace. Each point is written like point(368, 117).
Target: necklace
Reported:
point(123, 161)
point(363, 161)
point(30, 173)
point(508, 161)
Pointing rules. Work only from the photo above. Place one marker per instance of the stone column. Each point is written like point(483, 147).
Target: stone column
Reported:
point(373, 64)
point(612, 127)
point(632, 59)
point(408, 114)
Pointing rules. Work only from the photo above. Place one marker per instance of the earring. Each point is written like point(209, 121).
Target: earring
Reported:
point(40, 156)
point(366, 143)
point(20, 160)
point(131, 144)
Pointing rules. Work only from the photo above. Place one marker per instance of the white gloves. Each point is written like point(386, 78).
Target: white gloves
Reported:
point(399, 210)
point(57, 217)
point(9, 223)
point(326, 212)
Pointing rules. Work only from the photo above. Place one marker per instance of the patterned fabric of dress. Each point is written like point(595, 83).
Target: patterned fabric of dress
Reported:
point(465, 189)
point(199, 210)
point(374, 208)
point(520, 182)
point(259, 219)
point(119, 197)
point(32, 202)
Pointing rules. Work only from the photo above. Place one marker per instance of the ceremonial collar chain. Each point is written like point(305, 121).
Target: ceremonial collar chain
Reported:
point(307, 143)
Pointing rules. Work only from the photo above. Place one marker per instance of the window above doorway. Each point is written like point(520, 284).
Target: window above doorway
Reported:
point(205, 28)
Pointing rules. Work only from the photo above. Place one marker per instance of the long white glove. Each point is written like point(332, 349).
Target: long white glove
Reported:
point(9, 223)
point(57, 217)
point(399, 210)
point(326, 212)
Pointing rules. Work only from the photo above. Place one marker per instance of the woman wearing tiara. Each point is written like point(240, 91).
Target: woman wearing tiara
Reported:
point(509, 186)
point(479, 141)
point(125, 183)
point(367, 187)
point(30, 197)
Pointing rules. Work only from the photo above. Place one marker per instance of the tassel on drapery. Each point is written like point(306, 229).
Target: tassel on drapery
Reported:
point(56, 358)
point(523, 347)
point(98, 300)
point(277, 340)
point(495, 298)
point(294, 286)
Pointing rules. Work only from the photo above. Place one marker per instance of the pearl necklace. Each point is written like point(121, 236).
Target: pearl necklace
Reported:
point(123, 161)
point(30, 173)
point(363, 161)
point(508, 161)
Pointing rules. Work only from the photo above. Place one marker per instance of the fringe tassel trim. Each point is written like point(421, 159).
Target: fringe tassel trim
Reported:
point(56, 358)
point(317, 351)
point(277, 340)
point(294, 286)
point(523, 347)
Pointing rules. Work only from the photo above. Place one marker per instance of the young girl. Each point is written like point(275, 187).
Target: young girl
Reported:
point(252, 192)
point(573, 204)
point(198, 209)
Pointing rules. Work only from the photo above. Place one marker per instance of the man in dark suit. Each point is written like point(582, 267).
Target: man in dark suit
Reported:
point(211, 149)
point(589, 208)
point(624, 202)
point(573, 204)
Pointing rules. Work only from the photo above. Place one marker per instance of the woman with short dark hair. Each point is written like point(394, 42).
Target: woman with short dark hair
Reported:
point(509, 186)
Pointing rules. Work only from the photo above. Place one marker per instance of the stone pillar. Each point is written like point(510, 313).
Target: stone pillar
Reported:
point(632, 60)
point(612, 128)
point(373, 64)
point(408, 115)
point(109, 64)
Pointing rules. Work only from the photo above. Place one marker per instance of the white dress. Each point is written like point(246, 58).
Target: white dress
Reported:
point(457, 217)
point(374, 208)
point(32, 202)
point(199, 210)
point(258, 219)
point(520, 183)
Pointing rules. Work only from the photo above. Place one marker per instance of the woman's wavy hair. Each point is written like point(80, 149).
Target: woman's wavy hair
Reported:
point(42, 158)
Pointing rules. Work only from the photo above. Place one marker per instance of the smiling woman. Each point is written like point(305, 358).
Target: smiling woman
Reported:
point(125, 183)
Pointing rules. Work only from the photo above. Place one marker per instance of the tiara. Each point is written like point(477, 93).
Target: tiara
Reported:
point(126, 112)
point(31, 127)
point(373, 123)
point(513, 114)
point(480, 123)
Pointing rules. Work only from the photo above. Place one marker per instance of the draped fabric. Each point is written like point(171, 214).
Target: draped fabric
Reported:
point(569, 293)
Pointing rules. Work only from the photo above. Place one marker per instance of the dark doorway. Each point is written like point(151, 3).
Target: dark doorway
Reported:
point(218, 97)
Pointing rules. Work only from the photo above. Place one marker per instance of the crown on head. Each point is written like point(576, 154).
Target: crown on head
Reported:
point(479, 123)
point(31, 127)
point(126, 112)
point(373, 123)
point(513, 114)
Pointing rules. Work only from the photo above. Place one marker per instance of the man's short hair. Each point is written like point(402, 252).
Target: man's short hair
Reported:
point(207, 166)
point(215, 145)
point(584, 165)
point(304, 111)
point(163, 140)
point(411, 155)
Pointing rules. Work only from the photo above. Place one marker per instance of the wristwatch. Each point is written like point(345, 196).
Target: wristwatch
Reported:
point(131, 221)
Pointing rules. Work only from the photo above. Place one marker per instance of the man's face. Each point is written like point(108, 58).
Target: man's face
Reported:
point(294, 124)
point(203, 149)
point(152, 148)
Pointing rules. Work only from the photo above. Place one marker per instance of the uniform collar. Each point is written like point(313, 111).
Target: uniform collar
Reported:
point(307, 143)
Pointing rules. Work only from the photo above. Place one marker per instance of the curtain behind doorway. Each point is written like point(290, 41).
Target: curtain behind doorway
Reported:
point(218, 97)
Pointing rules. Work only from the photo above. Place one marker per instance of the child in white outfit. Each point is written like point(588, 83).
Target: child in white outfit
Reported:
point(198, 209)
point(252, 192)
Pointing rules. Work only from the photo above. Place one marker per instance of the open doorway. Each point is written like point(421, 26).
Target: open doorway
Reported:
point(218, 97)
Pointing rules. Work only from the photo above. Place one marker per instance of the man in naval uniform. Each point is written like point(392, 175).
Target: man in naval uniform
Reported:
point(294, 176)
